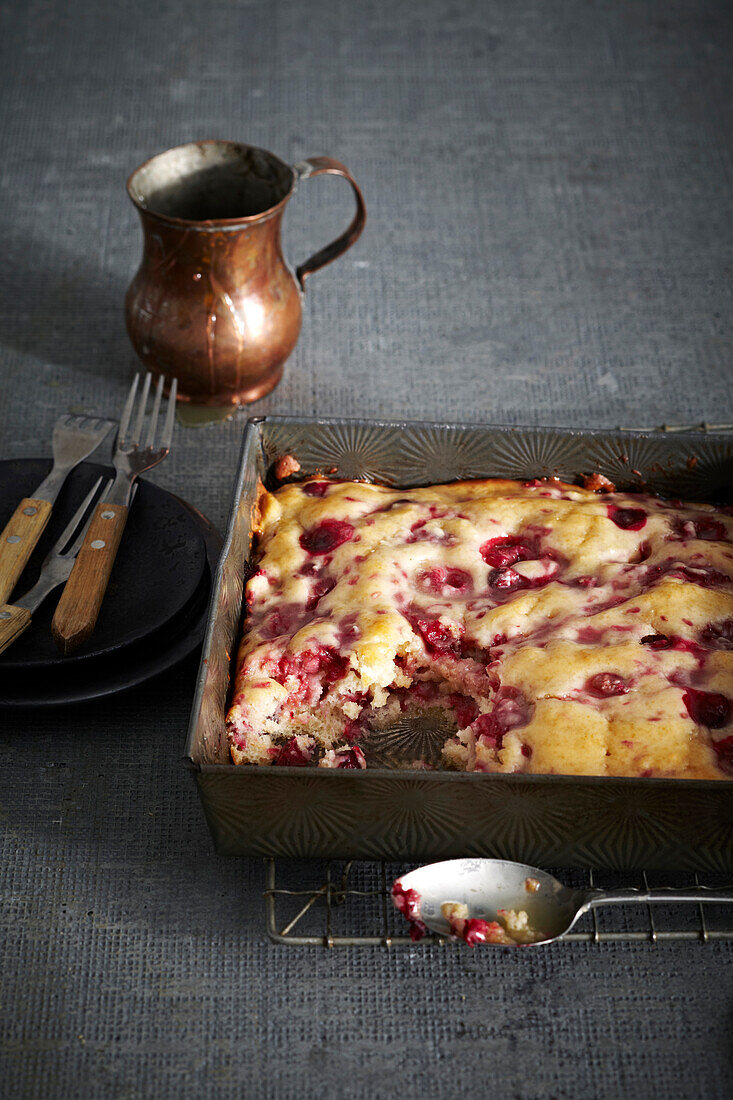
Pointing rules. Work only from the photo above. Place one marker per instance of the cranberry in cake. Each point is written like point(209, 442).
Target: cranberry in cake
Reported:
point(550, 628)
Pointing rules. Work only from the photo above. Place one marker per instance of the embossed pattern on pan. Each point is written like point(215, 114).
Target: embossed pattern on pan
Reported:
point(383, 814)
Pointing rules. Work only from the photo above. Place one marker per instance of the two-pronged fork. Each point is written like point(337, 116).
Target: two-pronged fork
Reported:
point(58, 563)
point(78, 608)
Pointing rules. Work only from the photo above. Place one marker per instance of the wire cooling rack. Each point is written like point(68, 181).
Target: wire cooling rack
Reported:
point(330, 903)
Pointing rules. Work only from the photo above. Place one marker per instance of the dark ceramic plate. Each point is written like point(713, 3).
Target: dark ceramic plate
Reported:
point(158, 573)
point(125, 669)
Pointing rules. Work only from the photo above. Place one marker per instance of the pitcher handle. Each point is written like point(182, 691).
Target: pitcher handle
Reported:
point(318, 166)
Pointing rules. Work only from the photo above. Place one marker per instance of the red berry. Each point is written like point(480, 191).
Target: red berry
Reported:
point(464, 708)
point(329, 534)
point(320, 588)
point(628, 519)
point(291, 755)
point(606, 684)
point(437, 637)
point(486, 728)
point(704, 527)
point(277, 624)
point(424, 690)
point(506, 551)
point(351, 758)
point(323, 660)
point(504, 579)
point(707, 708)
point(334, 666)
point(354, 727)
point(706, 576)
point(316, 488)
point(408, 903)
point(438, 579)
point(458, 579)
point(711, 529)
point(476, 931)
point(718, 635)
point(432, 579)
point(511, 710)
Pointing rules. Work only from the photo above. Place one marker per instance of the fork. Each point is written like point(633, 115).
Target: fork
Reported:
point(78, 608)
point(74, 439)
point(58, 563)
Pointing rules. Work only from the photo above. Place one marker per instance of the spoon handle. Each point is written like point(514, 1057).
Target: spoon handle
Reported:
point(667, 894)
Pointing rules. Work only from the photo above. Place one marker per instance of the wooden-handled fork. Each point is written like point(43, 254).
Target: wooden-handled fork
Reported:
point(74, 439)
point(78, 608)
point(16, 617)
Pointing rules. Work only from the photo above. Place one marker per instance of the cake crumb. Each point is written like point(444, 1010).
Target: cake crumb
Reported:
point(597, 483)
point(518, 928)
point(473, 931)
point(453, 911)
point(285, 466)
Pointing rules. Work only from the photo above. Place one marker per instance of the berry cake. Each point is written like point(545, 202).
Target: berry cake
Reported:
point(551, 629)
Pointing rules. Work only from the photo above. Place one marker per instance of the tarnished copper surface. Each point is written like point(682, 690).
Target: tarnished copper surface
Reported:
point(214, 303)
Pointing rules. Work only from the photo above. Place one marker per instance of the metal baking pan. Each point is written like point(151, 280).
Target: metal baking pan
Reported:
point(377, 813)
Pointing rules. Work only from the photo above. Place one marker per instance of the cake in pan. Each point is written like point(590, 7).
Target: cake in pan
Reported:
point(552, 629)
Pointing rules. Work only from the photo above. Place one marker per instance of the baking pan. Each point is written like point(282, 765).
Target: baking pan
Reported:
point(625, 823)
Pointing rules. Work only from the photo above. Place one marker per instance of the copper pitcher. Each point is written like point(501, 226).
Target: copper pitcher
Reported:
point(214, 302)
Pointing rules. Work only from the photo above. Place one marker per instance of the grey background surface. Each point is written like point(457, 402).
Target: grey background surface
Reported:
point(548, 241)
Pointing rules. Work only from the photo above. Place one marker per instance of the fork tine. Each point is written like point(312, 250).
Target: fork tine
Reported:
point(135, 441)
point(169, 416)
point(73, 522)
point(156, 410)
point(75, 547)
point(129, 402)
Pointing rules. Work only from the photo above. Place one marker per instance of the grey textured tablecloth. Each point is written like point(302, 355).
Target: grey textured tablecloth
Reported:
point(548, 242)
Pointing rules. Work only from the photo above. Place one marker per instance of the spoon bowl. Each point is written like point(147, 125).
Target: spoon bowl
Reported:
point(486, 886)
point(489, 887)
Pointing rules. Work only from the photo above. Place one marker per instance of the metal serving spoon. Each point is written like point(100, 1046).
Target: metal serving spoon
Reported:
point(486, 886)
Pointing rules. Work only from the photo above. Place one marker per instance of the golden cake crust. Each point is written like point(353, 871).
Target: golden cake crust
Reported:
point(558, 630)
